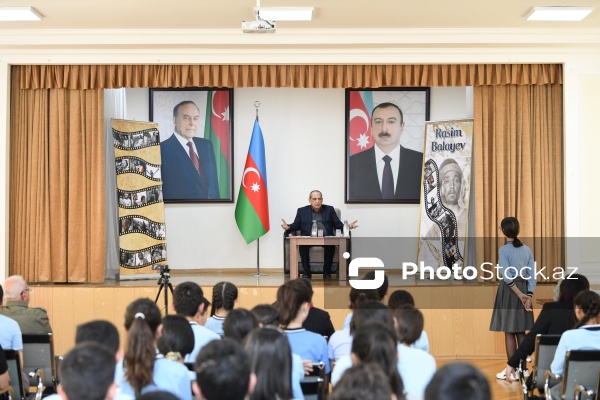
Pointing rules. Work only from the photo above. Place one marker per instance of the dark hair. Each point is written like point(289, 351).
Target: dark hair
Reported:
point(142, 318)
point(363, 381)
point(158, 395)
point(290, 297)
point(87, 362)
point(312, 191)
point(382, 290)
point(377, 343)
point(238, 324)
point(358, 296)
point(589, 302)
point(1, 294)
point(409, 324)
point(371, 312)
point(266, 314)
point(510, 228)
point(223, 371)
point(224, 296)
point(569, 288)
point(100, 332)
point(271, 361)
point(458, 381)
point(400, 298)
point(387, 105)
point(183, 103)
point(177, 336)
point(206, 305)
point(308, 283)
point(187, 298)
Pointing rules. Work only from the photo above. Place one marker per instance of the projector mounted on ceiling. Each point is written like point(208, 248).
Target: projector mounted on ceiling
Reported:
point(259, 25)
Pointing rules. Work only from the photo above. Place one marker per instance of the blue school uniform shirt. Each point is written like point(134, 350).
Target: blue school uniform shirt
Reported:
point(308, 345)
point(215, 324)
point(517, 262)
point(586, 337)
point(202, 336)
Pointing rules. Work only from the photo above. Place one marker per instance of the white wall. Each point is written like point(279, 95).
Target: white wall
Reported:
point(304, 135)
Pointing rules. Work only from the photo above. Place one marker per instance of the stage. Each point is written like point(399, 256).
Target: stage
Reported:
point(457, 313)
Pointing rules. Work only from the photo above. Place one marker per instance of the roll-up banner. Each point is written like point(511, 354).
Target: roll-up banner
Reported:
point(445, 193)
point(139, 194)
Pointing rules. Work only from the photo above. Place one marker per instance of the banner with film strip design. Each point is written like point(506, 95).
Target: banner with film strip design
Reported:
point(139, 191)
point(445, 193)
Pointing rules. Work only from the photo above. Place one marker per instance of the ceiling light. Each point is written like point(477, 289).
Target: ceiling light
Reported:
point(19, 14)
point(286, 13)
point(558, 13)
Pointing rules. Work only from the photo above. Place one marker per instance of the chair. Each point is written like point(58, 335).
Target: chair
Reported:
point(38, 353)
point(14, 373)
point(314, 385)
point(590, 394)
point(316, 255)
point(545, 347)
point(581, 369)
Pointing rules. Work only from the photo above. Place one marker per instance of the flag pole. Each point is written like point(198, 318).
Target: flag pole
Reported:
point(257, 273)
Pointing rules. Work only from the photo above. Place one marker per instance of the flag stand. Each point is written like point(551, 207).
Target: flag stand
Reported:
point(257, 273)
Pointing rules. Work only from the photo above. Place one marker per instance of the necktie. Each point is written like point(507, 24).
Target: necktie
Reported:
point(195, 160)
point(387, 181)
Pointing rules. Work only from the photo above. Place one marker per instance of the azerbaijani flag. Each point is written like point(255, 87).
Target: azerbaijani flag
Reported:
point(359, 127)
point(217, 129)
point(252, 208)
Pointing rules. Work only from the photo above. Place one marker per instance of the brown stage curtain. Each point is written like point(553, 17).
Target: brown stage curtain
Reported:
point(295, 76)
point(518, 160)
point(57, 206)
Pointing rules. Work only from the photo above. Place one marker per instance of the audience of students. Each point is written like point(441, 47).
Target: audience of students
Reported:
point(271, 362)
point(401, 299)
point(458, 381)
point(585, 336)
point(223, 372)
point(189, 301)
point(293, 304)
point(318, 320)
point(142, 369)
point(340, 342)
point(176, 338)
point(224, 297)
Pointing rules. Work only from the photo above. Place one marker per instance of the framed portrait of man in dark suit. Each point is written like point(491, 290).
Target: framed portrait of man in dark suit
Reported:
point(196, 143)
point(385, 139)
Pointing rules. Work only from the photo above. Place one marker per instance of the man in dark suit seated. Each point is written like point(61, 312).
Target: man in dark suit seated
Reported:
point(387, 170)
point(188, 162)
point(326, 219)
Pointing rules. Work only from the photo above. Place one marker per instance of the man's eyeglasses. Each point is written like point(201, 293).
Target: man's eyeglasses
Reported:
point(27, 290)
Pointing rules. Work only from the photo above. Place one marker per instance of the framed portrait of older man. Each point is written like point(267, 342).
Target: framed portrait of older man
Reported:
point(196, 142)
point(384, 144)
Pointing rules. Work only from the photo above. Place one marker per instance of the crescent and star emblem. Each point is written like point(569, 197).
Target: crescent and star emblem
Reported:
point(255, 186)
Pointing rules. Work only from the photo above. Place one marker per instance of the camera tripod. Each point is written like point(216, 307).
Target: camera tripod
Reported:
point(163, 283)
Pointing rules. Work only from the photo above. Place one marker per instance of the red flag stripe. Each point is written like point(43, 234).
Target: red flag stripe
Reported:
point(259, 199)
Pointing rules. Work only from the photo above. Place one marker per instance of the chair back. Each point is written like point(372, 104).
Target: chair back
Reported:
point(38, 352)
point(314, 385)
point(14, 374)
point(545, 347)
point(581, 368)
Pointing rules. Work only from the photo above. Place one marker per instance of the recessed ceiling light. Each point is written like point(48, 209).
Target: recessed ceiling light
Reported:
point(19, 14)
point(558, 13)
point(286, 13)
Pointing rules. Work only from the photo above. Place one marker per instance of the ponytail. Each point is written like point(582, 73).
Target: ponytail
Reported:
point(510, 227)
point(142, 319)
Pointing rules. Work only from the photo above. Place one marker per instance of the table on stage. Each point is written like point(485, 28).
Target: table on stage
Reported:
point(296, 241)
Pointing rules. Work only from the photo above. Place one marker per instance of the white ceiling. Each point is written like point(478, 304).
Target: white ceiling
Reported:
point(328, 14)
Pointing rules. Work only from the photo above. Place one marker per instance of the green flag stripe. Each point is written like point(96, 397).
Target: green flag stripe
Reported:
point(250, 226)
point(222, 166)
